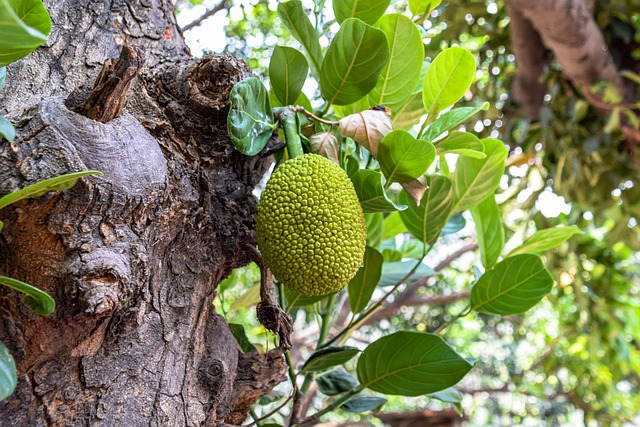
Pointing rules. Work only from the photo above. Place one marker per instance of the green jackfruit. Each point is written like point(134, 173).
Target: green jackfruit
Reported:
point(310, 226)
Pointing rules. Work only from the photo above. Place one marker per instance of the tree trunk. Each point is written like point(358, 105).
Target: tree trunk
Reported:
point(133, 257)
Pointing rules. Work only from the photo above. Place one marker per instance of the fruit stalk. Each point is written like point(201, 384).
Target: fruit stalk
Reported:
point(291, 135)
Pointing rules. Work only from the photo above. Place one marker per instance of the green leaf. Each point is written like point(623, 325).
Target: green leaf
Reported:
point(363, 404)
point(448, 78)
point(410, 364)
point(7, 131)
point(425, 222)
point(373, 198)
point(451, 119)
point(295, 299)
point(297, 22)
point(462, 143)
point(420, 7)
point(410, 113)
point(544, 240)
point(449, 395)
point(405, 62)
point(353, 62)
point(249, 297)
point(58, 183)
point(366, 10)
point(241, 336)
point(288, 70)
point(375, 228)
point(393, 226)
point(34, 298)
point(394, 272)
point(250, 120)
point(363, 284)
point(24, 25)
point(3, 76)
point(455, 223)
point(329, 357)
point(513, 286)
point(8, 373)
point(486, 216)
point(404, 158)
point(476, 179)
point(336, 382)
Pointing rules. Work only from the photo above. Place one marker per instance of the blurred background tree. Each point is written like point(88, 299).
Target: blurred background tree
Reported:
point(575, 160)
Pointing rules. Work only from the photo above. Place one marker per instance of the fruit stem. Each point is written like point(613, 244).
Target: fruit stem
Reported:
point(291, 135)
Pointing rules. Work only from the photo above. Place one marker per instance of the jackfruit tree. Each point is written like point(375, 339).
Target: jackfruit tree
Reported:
point(376, 174)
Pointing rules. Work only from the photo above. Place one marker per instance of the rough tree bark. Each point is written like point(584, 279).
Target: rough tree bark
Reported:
point(132, 258)
point(566, 28)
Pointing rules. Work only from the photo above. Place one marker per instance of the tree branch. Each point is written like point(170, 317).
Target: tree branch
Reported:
point(208, 14)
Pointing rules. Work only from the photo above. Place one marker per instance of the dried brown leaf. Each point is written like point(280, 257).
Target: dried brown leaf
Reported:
point(415, 189)
point(367, 128)
point(326, 144)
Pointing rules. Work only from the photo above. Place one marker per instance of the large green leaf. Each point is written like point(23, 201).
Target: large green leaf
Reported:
point(7, 131)
point(486, 216)
point(425, 222)
point(328, 358)
point(34, 298)
point(513, 286)
point(297, 22)
point(250, 119)
point(461, 143)
point(58, 183)
point(366, 10)
point(373, 198)
point(476, 179)
point(24, 25)
point(544, 240)
point(393, 226)
point(410, 113)
point(394, 272)
point(448, 78)
point(8, 374)
point(404, 65)
point(410, 364)
point(375, 228)
point(363, 284)
point(288, 70)
point(451, 119)
point(353, 62)
point(420, 7)
point(241, 337)
point(404, 158)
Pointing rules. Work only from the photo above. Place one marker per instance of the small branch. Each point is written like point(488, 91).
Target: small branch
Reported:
point(457, 254)
point(592, 99)
point(109, 96)
point(301, 110)
point(208, 14)
point(264, 417)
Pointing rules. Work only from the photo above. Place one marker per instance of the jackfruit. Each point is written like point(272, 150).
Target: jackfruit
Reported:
point(310, 226)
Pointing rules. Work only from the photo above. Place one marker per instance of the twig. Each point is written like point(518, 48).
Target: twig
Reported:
point(264, 417)
point(209, 13)
point(299, 109)
point(448, 260)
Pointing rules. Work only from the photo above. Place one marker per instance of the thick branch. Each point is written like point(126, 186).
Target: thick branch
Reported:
point(568, 29)
point(531, 58)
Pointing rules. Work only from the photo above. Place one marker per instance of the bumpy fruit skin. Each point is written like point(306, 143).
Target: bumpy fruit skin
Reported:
point(310, 226)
